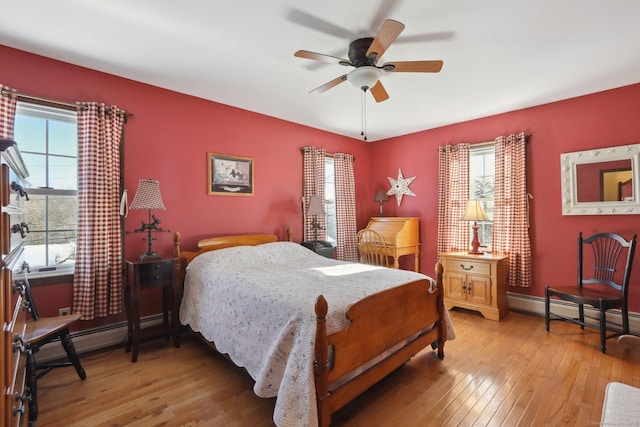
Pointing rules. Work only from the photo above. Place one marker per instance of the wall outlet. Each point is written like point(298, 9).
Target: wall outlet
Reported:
point(64, 311)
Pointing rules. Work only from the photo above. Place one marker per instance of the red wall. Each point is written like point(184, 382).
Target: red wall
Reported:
point(168, 138)
point(603, 119)
point(170, 133)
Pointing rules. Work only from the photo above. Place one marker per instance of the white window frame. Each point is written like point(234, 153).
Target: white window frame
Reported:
point(58, 114)
point(330, 200)
point(484, 227)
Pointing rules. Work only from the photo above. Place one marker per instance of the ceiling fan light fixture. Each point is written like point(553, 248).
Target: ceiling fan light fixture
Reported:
point(364, 77)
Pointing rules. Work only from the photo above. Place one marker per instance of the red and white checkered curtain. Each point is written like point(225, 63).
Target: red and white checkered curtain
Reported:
point(7, 113)
point(453, 196)
point(313, 185)
point(347, 247)
point(510, 215)
point(97, 285)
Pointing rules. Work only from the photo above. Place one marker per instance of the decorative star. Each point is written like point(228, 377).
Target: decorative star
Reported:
point(400, 187)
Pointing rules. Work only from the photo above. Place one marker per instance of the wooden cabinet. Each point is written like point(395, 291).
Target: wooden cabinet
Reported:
point(151, 274)
point(401, 235)
point(13, 230)
point(476, 282)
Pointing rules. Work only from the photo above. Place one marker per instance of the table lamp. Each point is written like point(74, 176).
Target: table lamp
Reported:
point(475, 213)
point(148, 197)
point(315, 208)
point(381, 197)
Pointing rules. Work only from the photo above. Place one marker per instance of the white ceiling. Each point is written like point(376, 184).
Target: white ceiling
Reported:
point(499, 55)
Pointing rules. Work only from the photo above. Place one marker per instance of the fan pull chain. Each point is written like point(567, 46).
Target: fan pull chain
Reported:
point(363, 121)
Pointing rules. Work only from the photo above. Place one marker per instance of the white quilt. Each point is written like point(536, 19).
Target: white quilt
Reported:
point(256, 303)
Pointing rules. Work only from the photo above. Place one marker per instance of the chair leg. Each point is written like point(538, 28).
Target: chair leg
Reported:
point(625, 319)
point(546, 307)
point(581, 315)
point(65, 339)
point(32, 383)
point(603, 330)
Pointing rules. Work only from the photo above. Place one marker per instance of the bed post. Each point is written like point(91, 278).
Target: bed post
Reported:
point(441, 309)
point(179, 261)
point(321, 363)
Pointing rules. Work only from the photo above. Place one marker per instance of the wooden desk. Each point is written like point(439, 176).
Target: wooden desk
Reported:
point(401, 235)
point(151, 274)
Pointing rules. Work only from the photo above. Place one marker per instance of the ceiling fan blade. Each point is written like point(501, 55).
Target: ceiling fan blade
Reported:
point(389, 31)
point(321, 57)
point(385, 10)
point(379, 92)
point(325, 87)
point(318, 24)
point(414, 66)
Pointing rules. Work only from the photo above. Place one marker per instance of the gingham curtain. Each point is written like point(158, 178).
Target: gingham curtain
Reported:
point(97, 285)
point(453, 196)
point(347, 248)
point(313, 185)
point(510, 224)
point(7, 113)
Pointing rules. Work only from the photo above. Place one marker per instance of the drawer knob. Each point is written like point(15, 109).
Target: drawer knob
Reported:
point(19, 189)
point(18, 344)
point(462, 266)
point(18, 286)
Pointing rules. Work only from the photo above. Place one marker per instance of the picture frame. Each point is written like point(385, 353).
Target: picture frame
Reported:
point(229, 175)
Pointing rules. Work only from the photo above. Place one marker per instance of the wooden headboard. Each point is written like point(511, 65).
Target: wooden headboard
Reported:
point(213, 243)
point(183, 258)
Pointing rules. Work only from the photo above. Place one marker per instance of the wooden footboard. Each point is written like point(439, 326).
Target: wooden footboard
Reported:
point(404, 319)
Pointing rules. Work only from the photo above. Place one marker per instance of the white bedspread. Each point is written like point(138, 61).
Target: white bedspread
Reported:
point(257, 304)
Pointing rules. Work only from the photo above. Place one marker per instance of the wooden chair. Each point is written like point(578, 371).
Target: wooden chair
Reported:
point(604, 290)
point(372, 248)
point(40, 331)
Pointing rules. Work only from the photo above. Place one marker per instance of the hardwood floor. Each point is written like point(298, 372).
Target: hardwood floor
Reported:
point(504, 373)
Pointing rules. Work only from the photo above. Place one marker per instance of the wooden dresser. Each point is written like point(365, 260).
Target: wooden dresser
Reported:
point(12, 309)
point(402, 236)
point(476, 282)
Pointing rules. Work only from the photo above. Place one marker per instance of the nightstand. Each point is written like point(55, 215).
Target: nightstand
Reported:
point(325, 249)
point(159, 273)
point(476, 282)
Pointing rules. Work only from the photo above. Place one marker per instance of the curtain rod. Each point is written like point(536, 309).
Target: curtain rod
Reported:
point(527, 137)
point(50, 102)
point(330, 154)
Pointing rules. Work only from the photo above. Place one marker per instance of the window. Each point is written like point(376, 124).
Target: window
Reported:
point(48, 141)
point(330, 200)
point(482, 176)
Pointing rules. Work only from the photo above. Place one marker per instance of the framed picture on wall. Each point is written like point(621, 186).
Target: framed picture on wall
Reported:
point(229, 175)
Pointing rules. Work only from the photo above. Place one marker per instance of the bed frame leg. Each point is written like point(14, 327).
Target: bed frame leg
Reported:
point(321, 363)
point(441, 308)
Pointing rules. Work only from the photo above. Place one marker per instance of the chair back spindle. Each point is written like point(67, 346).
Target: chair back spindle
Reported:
point(372, 248)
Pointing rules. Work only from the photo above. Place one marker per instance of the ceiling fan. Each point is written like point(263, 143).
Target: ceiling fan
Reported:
point(364, 54)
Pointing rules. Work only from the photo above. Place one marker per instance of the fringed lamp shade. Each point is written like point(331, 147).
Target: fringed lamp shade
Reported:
point(148, 196)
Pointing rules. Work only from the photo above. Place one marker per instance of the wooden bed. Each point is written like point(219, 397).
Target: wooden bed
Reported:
point(374, 343)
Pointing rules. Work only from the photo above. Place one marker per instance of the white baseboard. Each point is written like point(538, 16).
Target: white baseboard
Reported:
point(535, 305)
point(94, 339)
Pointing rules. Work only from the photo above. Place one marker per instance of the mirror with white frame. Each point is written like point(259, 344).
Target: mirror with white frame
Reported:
point(602, 181)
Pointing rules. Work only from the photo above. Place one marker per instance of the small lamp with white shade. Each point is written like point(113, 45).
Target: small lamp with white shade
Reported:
point(475, 213)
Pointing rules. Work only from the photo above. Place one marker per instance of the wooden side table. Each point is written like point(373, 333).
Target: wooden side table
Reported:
point(476, 282)
point(325, 249)
point(151, 274)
